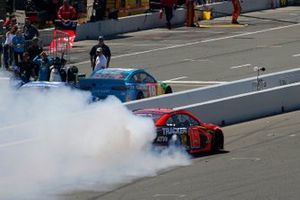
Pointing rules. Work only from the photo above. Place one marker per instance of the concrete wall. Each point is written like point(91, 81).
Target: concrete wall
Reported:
point(217, 91)
point(151, 20)
point(126, 24)
point(248, 106)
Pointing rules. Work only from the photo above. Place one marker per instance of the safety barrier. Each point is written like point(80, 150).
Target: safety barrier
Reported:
point(223, 90)
point(249, 106)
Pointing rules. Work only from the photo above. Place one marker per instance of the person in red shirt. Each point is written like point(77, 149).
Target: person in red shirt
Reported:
point(168, 6)
point(10, 22)
point(66, 12)
point(236, 11)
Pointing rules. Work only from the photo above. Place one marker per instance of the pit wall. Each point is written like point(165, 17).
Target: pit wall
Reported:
point(249, 106)
point(151, 20)
point(92, 30)
point(194, 96)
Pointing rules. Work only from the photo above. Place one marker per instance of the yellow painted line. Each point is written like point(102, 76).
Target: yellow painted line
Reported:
point(222, 25)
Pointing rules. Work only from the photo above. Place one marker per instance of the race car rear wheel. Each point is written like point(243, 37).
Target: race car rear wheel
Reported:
point(168, 90)
point(217, 142)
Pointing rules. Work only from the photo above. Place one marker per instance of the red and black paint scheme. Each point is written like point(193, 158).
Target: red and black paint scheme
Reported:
point(181, 127)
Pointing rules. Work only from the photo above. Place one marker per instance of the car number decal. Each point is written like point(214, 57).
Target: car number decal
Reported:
point(162, 139)
point(152, 90)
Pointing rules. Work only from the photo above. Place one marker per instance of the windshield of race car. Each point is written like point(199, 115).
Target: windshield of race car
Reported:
point(153, 116)
point(115, 74)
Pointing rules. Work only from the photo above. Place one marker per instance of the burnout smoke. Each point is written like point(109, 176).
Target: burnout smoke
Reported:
point(54, 142)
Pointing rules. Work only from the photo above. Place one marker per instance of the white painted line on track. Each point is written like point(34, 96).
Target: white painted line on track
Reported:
point(296, 55)
point(203, 60)
point(17, 142)
point(146, 45)
point(188, 59)
point(196, 42)
point(195, 82)
point(178, 78)
point(261, 46)
point(246, 158)
point(249, 33)
point(240, 66)
point(170, 195)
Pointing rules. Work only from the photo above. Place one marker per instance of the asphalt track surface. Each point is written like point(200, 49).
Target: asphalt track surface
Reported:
point(261, 161)
point(261, 158)
point(192, 56)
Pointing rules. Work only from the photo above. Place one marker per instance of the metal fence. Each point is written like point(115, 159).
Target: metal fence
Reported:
point(59, 44)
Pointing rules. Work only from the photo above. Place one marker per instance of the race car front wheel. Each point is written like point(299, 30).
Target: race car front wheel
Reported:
point(217, 142)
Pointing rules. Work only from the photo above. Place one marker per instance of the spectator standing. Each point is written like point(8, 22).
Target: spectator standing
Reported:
point(34, 50)
point(26, 68)
point(2, 39)
point(66, 12)
point(99, 7)
point(105, 50)
point(18, 44)
point(10, 22)
point(8, 46)
point(29, 30)
point(168, 6)
point(101, 61)
point(44, 62)
point(236, 11)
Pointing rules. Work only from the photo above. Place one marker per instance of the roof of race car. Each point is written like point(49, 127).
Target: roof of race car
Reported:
point(155, 110)
point(114, 73)
point(44, 84)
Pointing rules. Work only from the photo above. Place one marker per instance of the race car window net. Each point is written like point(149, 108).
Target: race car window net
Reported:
point(187, 120)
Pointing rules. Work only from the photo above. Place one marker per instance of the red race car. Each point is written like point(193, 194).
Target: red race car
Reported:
point(180, 127)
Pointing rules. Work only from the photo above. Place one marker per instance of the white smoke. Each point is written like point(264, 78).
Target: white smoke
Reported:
point(54, 142)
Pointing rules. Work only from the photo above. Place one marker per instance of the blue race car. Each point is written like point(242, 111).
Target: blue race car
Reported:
point(126, 84)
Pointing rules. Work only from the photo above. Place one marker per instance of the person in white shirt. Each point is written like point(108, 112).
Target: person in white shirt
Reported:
point(101, 61)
